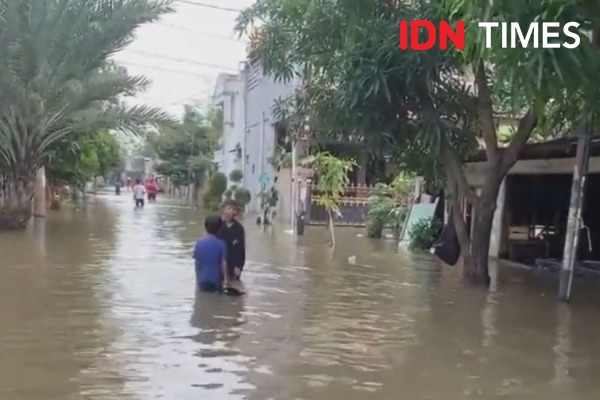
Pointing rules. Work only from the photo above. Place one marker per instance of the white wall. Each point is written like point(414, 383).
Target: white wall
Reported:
point(229, 93)
point(261, 94)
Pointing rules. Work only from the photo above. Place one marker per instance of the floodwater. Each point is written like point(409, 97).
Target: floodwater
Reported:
point(100, 304)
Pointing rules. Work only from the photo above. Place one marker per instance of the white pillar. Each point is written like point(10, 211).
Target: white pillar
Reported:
point(39, 199)
point(496, 233)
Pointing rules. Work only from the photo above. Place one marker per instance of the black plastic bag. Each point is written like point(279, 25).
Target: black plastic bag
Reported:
point(447, 247)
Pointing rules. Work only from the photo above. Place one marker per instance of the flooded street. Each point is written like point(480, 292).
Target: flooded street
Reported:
point(101, 305)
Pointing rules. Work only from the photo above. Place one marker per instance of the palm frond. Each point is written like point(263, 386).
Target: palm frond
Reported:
point(55, 77)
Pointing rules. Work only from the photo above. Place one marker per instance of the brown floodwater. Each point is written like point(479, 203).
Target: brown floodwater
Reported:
point(100, 304)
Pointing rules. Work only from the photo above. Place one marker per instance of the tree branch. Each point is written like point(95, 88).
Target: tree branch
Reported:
point(485, 111)
point(456, 172)
point(527, 124)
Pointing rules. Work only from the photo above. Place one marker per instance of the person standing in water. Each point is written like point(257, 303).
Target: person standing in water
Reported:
point(233, 234)
point(139, 191)
point(210, 256)
point(152, 189)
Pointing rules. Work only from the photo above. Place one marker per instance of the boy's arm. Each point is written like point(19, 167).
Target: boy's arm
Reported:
point(242, 245)
point(224, 264)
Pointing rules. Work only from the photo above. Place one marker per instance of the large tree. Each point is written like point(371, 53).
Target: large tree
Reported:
point(80, 159)
point(56, 81)
point(441, 103)
point(186, 150)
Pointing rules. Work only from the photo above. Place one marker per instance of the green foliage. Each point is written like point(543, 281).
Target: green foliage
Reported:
point(428, 110)
point(242, 196)
point(78, 161)
point(381, 206)
point(387, 205)
point(217, 187)
point(236, 176)
point(424, 233)
point(331, 179)
point(280, 159)
point(57, 81)
point(218, 183)
point(412, 105)
point(186, 149)
point(403, 184)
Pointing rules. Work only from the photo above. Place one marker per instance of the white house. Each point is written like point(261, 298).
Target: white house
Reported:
point(249, 138)
point(228, 95)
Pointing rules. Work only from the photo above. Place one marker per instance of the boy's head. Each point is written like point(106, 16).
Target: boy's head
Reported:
point(212, 224)
point(138, 181)
point(229, 210)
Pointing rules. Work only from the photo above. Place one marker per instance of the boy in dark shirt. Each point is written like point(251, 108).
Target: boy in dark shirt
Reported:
point(210, 256)
point(232, 233)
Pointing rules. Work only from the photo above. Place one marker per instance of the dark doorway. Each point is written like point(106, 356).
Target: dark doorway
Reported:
point(540, 203)
point(591, 219)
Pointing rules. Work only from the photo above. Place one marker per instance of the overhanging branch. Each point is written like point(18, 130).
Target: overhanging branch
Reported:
point(527, 124)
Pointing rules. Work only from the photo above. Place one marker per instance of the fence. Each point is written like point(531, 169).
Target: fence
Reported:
point(353, 207)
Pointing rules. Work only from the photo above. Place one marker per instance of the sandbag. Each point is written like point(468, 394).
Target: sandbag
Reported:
point(447, 247)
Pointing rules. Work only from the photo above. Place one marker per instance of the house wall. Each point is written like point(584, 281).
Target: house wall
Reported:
point(284, 188)
point(229, 94)
point(260, 96)
point(475, 176)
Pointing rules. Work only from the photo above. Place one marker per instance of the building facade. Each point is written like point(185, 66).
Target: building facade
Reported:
point(530, 221)
point(249, 138)
point(229, 98)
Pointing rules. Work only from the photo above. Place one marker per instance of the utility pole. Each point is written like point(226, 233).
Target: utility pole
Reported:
point(294, 202)
point(574, 222)
point(189, 114)
point(190, 173)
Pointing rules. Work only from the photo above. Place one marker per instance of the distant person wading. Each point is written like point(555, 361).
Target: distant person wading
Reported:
point(139, 191)
point(152, 189)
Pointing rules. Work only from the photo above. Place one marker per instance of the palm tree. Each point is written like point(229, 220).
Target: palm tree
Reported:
point(56, 80)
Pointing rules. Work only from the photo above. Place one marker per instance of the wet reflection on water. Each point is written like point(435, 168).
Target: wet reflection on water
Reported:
point(100, 304)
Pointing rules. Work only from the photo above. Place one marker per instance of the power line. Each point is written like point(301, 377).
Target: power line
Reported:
point(209, 34)
point(191, 97)
point(175, 71)
point(180, 101)
point(212, 6)
point(182, 60)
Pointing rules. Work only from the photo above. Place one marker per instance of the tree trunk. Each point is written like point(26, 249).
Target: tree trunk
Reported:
point(480, 243)
point(331, 228)
point(16, 211)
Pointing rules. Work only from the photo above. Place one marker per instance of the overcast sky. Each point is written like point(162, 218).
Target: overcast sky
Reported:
point(174, 51)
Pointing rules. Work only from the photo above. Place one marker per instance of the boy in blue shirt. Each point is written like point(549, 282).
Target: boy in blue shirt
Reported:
point(210, 256)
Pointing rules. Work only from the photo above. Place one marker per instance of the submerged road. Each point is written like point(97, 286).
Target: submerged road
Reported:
point(100, 304)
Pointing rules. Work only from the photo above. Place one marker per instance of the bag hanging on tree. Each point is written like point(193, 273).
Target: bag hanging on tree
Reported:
point(447, 247)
